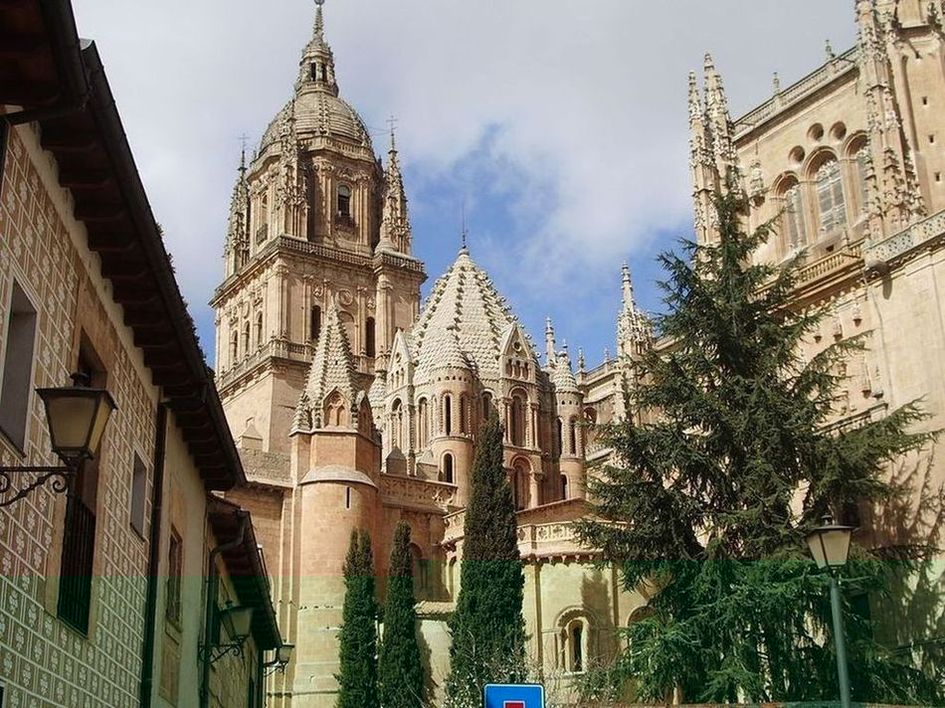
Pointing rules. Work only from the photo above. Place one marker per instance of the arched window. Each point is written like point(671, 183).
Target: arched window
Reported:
point(234, 347)
point(520, 484)
point(447, 414)
point(245, 338)
point(423, 424)
point(315, 322)
point(262, 231)
point(573, 648)
point(369, 342)
point(344, 202)
point(259, 330)
point(463, 414)
point(447, 471)
point(564, 487)
point(396, 424)
point(830, 199)
point(573, 436)
point(486, 406)
point(795, 231)
point(517, 424)
point(559, 435)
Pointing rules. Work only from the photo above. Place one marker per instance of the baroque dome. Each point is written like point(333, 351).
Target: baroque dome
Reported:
point(463, 323)
point(319, 113)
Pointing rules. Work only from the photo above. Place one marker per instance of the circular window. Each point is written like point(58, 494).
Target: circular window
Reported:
point(838, 132)
point(797, 155)
point(816, 132)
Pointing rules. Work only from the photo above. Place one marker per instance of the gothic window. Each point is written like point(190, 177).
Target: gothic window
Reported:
point(369, 334)
point(335, 411)
point(447, 414)
point(396, 424)
point(517, 424)
point(447, 471)
point(793, 219)
point(315, 322)
point(262, 232)
point(830, 198)
point(259, 330)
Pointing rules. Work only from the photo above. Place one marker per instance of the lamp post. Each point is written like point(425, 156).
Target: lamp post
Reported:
point(829, 544)
point(76, 416)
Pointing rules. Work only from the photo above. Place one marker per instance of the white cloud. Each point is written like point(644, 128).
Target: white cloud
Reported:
point(586, 100)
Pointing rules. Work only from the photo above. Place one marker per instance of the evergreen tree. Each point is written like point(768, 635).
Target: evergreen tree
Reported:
point(716, 489)
point(488, 631)
point(400, 673)
point(357, 678)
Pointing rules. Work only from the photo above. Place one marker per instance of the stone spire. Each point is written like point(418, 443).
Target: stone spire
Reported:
point(332, 372)
point(550, 345)
point(719, 122)
point(317, 67)
point(236, 246)
point(395, 223)
point(633, 327)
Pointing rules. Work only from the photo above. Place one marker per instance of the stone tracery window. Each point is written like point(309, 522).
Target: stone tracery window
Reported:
point(795, 230)
point(830, 198)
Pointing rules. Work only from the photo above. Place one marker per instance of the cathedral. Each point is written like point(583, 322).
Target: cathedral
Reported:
point(355, 406)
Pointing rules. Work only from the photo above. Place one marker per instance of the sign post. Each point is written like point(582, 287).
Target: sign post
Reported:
point(513, 696)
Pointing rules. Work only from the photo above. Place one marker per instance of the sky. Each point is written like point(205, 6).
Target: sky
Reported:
point(562, 126)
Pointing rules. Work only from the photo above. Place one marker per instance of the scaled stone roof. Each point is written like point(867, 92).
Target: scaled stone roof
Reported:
point(462, 323)
point(332, 369)
point(318, 113)
point(562, 376)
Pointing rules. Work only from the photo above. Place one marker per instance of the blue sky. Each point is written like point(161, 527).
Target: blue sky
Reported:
point(561, 125)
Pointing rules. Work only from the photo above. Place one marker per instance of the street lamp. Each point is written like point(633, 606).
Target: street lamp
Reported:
point(830, 545)
point(237, 621)
point(76, 416)
point(282, 658)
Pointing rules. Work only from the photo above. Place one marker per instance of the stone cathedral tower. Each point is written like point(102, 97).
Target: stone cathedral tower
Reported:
point(315, 221)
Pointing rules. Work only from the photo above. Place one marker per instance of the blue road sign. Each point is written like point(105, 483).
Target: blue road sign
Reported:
point(509, 696)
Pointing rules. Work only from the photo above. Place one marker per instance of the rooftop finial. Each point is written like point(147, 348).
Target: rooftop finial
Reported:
point(319, 19)
point(828, 47)
point(244, 138)
point(463, 233)
point(392, 122)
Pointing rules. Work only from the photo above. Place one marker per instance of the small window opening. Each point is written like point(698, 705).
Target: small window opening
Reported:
point(448, 414)
point(370, 345)
point(925, 100)
point(932, 139)
point(347, 497)
point(315, 322)
point(139, 483)
point(448, 468)
point(344, 201)
point(17, 367)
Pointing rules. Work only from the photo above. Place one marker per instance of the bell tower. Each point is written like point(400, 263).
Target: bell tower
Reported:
point(316, 221)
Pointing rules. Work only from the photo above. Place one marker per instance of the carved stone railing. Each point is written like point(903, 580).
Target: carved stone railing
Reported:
point(273, 348)
point(413, 491)
point(833, 262)
point(919, 233)
point(453, 526)
point(859, 419)
point(819, 77)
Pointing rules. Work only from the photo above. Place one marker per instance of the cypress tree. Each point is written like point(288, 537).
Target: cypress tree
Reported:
point(714, 492)
point(357, 678)
point(400, 673)
point(487, 628)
